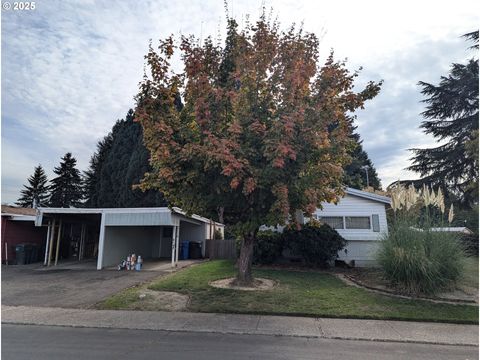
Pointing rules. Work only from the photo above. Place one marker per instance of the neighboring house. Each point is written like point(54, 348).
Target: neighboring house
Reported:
point(109, 235)
point(360, 218)
point(18, 227)
point(455, 229)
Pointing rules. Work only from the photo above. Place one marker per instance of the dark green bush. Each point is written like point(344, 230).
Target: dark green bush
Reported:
point(268, 247)
point(317, 244)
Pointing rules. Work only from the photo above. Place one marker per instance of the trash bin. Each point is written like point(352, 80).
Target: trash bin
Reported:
point(195, 249)
point(28, 253)
point(34, 254)
point(185, 248)
point(20, 254)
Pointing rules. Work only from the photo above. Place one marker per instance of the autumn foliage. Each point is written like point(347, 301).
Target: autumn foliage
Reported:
point(250, 131)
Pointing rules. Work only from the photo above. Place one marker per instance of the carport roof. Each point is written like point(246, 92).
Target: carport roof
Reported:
point(43, 210)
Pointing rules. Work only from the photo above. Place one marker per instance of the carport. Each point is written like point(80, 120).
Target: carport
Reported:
point(153, 233)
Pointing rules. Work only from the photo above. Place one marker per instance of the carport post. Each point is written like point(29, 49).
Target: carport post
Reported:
point(177, 241)
point(50, 249)
point(101, 243)
point(174, 242)
point(58, 241)
point(48, 243)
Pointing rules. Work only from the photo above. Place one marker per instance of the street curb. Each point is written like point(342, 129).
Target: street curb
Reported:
point(248, 333)
point(317, 328)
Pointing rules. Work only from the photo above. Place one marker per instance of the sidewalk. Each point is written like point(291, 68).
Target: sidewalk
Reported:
point(351, 329)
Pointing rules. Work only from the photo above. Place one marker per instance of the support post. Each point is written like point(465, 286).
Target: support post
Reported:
point(82, 242)
point(101, 243)
point(50, 249)
point(177, 245)
point(48, 242)
point(174, 243)
point(58, 241)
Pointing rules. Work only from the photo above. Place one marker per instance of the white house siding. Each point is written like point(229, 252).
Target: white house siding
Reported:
point(361, 243)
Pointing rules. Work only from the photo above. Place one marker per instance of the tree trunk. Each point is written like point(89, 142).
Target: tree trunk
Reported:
point(244, 275)
point(220, 214)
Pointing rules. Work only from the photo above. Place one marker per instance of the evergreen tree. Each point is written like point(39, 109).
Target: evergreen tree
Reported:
point(92, 179)
point(36, 193)
point(67, 187)
point(355, 175)
point(452, 116)
point(120, 162)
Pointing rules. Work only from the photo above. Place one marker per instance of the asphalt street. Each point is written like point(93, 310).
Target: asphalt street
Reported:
point(56, 342)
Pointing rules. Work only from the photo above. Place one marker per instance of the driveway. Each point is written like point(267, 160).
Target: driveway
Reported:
point(66, 287)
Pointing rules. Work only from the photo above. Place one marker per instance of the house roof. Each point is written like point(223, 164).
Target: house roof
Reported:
point(460, 229)
point(15, 211)
point(368, 195)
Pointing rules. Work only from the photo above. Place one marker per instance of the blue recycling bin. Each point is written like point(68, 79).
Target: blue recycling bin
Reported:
point(184, 250)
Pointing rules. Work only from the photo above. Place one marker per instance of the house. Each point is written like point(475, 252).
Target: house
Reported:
point(108, 235)
point(18, 227)
point(360, 218)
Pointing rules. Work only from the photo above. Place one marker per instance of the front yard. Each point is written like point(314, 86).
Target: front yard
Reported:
point(297, 293)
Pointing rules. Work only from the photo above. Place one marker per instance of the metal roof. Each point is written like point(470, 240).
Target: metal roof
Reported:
point(44, 210)
point(368, 195)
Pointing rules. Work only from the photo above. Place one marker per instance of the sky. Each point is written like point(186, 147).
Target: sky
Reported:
point(70, 69)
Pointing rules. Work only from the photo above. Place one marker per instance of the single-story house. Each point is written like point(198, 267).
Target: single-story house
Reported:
point(455, 229)
point(360, 218)
point(110, 234)
point(18, 227)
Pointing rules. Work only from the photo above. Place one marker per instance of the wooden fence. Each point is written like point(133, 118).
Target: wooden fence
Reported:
point(221, 249)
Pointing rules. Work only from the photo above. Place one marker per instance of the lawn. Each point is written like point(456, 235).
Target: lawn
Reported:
point(297, 293)
point(469, 282)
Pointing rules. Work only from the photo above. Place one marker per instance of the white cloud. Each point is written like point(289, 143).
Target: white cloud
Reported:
point(70, 69)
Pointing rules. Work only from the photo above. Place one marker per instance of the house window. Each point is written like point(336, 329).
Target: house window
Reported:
point(357, 222)
point(335, 222)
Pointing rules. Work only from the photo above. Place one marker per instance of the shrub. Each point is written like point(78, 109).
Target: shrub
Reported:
point(268, 247)
point(414, 258)
point(316, 244)
point(420, 261)
point(217, 235)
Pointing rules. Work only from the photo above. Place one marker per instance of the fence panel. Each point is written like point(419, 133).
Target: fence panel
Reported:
point(221, 249)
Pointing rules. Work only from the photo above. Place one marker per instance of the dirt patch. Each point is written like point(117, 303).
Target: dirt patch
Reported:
point(160, 300)
point(258, 284)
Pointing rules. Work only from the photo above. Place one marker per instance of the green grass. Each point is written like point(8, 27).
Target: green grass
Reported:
point(298, 293)
point(469, 280)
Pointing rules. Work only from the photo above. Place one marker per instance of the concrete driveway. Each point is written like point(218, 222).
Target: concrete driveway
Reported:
point(65, 286)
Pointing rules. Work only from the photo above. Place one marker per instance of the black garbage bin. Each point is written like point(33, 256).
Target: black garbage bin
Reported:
point(28, 253)
point(20, 254)
point(34, 254)
point(195, 250)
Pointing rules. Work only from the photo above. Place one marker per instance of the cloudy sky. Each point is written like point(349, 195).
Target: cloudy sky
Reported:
point(70, 69)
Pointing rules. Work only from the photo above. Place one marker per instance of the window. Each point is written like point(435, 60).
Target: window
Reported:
point(357, 222)
point(335, 222)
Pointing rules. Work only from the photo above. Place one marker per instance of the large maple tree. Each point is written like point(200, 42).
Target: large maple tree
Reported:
point(263, 130)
